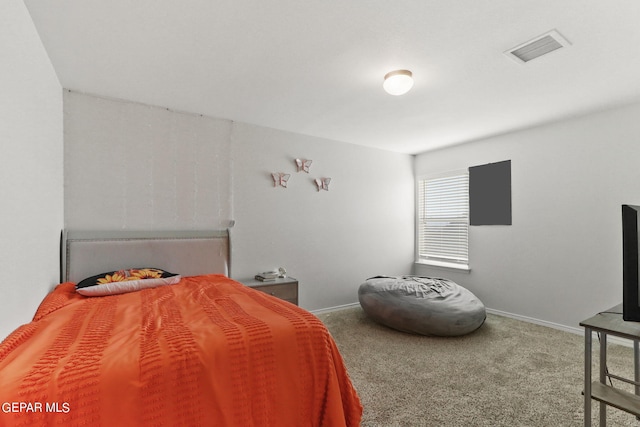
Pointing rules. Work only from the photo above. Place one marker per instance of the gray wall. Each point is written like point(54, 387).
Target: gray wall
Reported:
point(330, 240)
point(131, 166)
point(31, 173)
point(561, 260)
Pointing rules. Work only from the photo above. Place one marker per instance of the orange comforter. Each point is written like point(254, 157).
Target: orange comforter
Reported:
point(207, 351)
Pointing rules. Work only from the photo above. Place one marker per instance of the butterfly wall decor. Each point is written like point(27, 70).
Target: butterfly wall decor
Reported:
point(303, 165)
point(322, 183)
point(280, 179)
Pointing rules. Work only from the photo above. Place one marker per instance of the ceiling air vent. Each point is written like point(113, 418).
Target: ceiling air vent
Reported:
point(537, 47)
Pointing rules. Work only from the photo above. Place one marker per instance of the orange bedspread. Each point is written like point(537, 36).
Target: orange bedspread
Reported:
point(207, 351)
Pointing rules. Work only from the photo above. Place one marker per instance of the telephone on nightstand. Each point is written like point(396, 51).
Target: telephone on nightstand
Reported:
point(272, 275)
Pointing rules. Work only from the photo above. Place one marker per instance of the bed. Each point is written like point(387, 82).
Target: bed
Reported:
point(205, 351)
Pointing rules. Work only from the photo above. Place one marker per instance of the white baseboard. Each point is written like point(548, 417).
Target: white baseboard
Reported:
point(335, 308)
point(577, 331)
point(572, 330)
point(536, 321)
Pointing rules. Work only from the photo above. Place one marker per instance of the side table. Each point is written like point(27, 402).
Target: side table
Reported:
point(609, 322)
point(285, 288)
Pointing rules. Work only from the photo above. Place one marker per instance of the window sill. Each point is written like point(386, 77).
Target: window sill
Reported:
point(447, 265)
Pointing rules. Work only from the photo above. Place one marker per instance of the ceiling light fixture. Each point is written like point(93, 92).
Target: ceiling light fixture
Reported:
point(398, 82)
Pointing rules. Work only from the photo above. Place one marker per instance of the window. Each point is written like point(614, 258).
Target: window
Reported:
point(443, 220)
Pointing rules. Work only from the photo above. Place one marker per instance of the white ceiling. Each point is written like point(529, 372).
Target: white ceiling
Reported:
point(316, 67)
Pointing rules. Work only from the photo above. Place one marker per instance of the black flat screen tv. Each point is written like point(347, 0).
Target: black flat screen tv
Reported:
point(630, 261)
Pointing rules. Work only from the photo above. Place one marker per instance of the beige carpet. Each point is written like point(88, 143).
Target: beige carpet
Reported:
point(507, 373)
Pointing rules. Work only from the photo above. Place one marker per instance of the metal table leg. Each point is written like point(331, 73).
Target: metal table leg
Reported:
point(636, 368)
point(587, 377)
point(603, 376)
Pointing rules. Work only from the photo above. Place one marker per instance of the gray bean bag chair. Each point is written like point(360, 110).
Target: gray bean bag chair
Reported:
point(421, 305)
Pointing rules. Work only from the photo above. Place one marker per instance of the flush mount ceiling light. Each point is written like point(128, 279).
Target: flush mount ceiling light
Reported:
point(398, 82)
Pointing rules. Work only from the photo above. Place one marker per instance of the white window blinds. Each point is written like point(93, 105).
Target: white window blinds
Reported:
point(443, 219)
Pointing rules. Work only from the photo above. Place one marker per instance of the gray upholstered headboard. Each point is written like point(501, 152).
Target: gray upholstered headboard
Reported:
point(188, 253)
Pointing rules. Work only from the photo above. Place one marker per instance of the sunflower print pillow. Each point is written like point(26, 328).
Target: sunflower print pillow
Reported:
point(129, 280)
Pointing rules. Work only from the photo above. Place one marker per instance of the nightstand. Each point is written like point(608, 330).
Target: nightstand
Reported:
point(285, 288)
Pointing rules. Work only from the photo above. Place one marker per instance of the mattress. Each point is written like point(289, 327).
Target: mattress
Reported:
point(207, 351)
